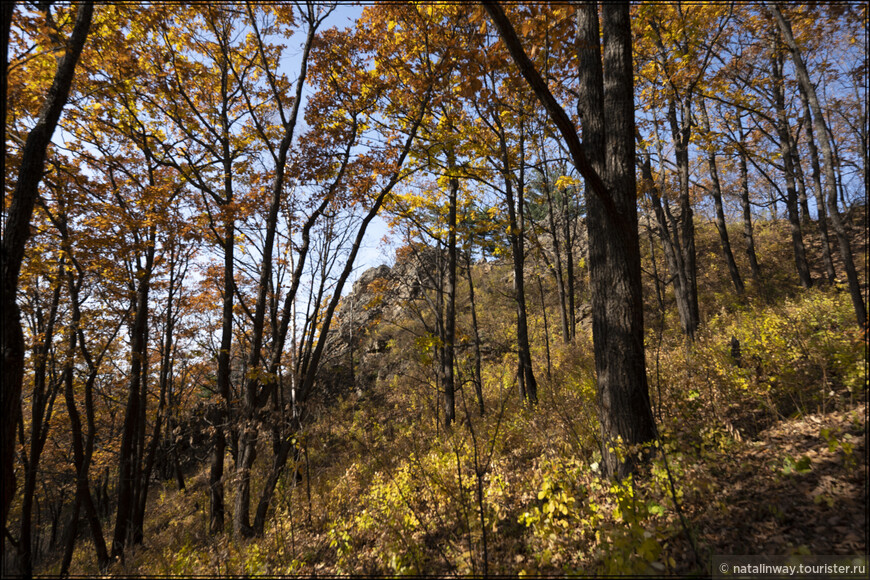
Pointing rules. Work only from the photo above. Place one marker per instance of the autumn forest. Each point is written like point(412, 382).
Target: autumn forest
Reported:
point(449, 289)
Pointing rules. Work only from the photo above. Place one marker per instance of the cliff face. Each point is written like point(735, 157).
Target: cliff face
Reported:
point(389, 308)
point(368, 320)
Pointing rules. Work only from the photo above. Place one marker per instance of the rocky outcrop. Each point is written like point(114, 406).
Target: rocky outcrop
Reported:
point(383, 301)
point(364, 327)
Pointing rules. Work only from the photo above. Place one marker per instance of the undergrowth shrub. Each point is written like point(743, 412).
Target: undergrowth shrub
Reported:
point(583, 523)
point(405, 524)
point(799, 356)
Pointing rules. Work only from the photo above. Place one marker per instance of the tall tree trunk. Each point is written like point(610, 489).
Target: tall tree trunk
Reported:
point(127, 458)
point(818, 192)
point(614, 251)
point(525, 351)
point(42, 403)
point(568, 219)
point(827, 155)
point(560, 283)
point(725, 242)
point(83, 449)
point(525, 375)
point(16, 233)
point(748, 234)
point(139, 482)
point(447, 383)
point(685, 241)
point(785, 148)
point(478, 382)
point(222, 417)
point(626, 413)
point(165, 377)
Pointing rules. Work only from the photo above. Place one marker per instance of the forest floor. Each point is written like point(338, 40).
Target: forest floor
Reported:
point(799, 487)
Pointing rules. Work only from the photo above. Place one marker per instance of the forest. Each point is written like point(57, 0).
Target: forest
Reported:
point(432, 288)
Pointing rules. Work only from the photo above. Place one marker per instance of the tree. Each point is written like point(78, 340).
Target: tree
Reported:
point(716, 192)
point(788, 156)
point(606, 161)
point(502, 138)
point(745, 203)
point(17, 232)
point(821, 130)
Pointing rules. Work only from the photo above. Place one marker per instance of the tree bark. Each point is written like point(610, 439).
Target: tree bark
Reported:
point(685, 241)
point(626, 413)
point(16, 234)
point(614, 251)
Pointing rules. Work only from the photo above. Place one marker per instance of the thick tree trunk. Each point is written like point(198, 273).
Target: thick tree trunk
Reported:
point(614, 251)
point(623, 392)
point(15, 236)
point(786, 152)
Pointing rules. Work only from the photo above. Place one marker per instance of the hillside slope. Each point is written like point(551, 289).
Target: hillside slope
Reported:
point(761, 452)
